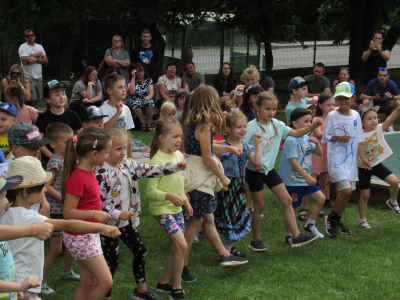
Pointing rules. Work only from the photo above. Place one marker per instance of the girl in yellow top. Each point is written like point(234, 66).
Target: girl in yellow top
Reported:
point(166, 196)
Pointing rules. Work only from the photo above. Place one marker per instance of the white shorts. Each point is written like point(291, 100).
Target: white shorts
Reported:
point(346, 184)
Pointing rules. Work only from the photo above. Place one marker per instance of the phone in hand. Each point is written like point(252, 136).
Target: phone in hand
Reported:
point(382, 95)
point(377, 41)
point(14, 77)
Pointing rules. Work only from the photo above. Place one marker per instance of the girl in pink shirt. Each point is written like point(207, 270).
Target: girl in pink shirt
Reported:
point(26, 114)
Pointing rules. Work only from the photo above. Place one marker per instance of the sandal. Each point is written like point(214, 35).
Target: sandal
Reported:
point(322, 214)
point(143, 127)
point(303, 217)
point(149, 127)
point(237, 253)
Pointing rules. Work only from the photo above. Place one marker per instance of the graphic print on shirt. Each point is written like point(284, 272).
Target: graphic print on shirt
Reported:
point(372, 148)
point(268, 143)
point(307, 153)
point(348, 148)
point(121, 123)
point(145, 56)
point(33, 51)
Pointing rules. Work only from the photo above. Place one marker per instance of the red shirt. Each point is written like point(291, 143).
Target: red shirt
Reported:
point(84, 184)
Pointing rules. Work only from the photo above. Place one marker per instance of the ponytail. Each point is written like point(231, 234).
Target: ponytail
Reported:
point(69, 166)
point(162, 127)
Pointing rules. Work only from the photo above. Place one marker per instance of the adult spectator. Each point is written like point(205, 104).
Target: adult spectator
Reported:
point(87, 91)
point(192, 79)
point(319, 83)
point(383, 92)
point(140, 95)
point(375, 56)
point(147, 54)
point(267, 83)
point(168, 84)
point(16, 77)
point(117, 57)
point(344, 76)
point(224, 82)
point(32, 58)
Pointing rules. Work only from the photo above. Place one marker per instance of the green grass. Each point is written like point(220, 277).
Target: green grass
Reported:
point(362, 266)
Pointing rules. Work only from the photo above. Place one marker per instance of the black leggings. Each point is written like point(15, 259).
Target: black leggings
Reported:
point(133, 240)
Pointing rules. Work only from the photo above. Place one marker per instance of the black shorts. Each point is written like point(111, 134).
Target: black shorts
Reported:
point(384, 106)
point(364, 175)
point(256, 180)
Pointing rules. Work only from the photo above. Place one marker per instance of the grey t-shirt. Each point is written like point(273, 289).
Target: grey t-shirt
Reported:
point(317, 87)
point(80, 87)
point(121, 56)
point(193, 82)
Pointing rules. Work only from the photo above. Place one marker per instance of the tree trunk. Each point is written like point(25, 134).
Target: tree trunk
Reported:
point(392, 36)
point(266, 37)
point(67, 53)
point(356, 65)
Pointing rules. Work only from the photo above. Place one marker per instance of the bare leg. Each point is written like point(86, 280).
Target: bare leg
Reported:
point(363, 202)
point(212, 234)
point(149, 114)
point(249, 199)
point(258, 198)
point(190, 232)
point(138, 112)
point(319, 199)
point(68, 260)
point(54, 252)
point(394, 186)
point(341, 201)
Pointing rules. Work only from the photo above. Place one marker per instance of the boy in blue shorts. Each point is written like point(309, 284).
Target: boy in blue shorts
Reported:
point(295, 169)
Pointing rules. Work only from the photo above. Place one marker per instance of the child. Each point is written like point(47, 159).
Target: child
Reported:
point(168, 110)
point(376, 150)
point(272, 131)
point(179, 102)
point(298, 91)
point(120, 196)
point(28, 252)
point(92, 117)
point(232, 217)
point(344, 135)
point(8, 117)
point(118, 114)
point(312, 108)
point(166, 196)
point(203, 118)
point(249, 99)
point(59, 134)
point(81, 198)
point(295, 169)
point(250, 76)
point(15, 94)
point(237, 98)
point(54, 92)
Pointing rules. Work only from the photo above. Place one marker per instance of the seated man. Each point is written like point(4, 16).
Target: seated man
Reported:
point(383, 92)
point(192, 79)
point(319, 83)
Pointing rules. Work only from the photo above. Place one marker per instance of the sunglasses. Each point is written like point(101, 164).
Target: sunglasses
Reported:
point(116, 41)
point(30, 36)
point(146, 31)
point(15, 73)
point(383, 69)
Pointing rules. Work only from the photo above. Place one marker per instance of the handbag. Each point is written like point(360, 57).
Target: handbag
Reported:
point(102, 66)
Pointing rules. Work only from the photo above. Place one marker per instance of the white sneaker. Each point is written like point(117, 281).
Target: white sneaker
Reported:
point(390, 129)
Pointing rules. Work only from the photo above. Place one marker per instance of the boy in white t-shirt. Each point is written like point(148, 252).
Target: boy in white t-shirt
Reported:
point(118, 114)
point(344, 135)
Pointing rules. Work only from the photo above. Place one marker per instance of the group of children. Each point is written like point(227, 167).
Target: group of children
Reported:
point(92, 177)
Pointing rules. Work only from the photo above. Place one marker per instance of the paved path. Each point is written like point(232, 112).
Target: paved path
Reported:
point(141, 157)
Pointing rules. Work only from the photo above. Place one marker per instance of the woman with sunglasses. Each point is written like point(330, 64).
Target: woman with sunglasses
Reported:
point(16, 77)
point(117, 57)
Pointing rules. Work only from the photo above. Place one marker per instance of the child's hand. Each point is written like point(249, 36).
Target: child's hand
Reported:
point(188, 208)
point(29, 282)
point(315, 98)
point(120, 105)
point(110, 231)
point(366, 164)
point(314, 140)
point(310, 180)
point(175, 199)
point(236, 151)
point(225, 182)
point(101, 216)
point(20, 296)
point(125, 215)
point(258, 168)
point(42, 230)
point(317, 123)
point(182, 165)
point(344, 138)
point(257, 138)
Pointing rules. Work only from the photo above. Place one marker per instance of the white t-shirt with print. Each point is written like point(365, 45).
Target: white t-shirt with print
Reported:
point(31, 70)
point(28, 252)
point(125, 120)
point(342, 157)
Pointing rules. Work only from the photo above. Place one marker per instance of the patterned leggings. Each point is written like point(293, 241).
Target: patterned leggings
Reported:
point(133, 241)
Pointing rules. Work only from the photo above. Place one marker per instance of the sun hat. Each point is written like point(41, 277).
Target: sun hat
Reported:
point(344, 89)
point(10, 182)
point(30, 169)
point(9, 109)
point(296, 81)
point(51, 85)
point(26, 135)
point(298, 113)
point(239, 90)
point(90, 113)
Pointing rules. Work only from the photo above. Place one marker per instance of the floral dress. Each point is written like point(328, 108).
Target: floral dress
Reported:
point(136, 100)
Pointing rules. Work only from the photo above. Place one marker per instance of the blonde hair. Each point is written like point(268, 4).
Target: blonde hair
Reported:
point(168, 107)
point(250, 72)
point(232, 118)
point(205, 109)
point(122, 42)
point(19, 68)
point(162, 128)
point(261, 98)
point(116, 133)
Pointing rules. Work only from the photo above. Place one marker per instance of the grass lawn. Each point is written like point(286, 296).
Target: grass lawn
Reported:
point(361, 266)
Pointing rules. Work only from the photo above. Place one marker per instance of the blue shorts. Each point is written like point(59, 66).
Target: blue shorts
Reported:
point(298, 192)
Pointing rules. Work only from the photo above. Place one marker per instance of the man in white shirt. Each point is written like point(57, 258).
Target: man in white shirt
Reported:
point(32, 58)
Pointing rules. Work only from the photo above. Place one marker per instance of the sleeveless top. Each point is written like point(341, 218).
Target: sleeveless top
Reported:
point(192, 145)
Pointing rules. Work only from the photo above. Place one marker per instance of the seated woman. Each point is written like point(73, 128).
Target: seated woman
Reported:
point(344, 75)
point(224, 82)
point(87, 91)
point(140, 95)
point(168, 84)
point(16, 77)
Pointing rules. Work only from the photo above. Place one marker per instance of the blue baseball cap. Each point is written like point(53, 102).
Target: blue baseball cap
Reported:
point(9, 108)
point(10, 182)
point(296, 81)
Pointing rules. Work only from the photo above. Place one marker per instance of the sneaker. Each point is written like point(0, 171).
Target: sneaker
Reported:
point(164, 288)
point(343, 228)
point(258, 245)
point(147, 295)
point(288, 239)
point(196, 238)
point(237, 253)
point(70, 276)
point(364, 225)
point(395, 208)
point(45, 290)
point(177, 295)
point(390, 128)
point(331, 226)
point(186, 276)
point(303, 239)
point(231, 261)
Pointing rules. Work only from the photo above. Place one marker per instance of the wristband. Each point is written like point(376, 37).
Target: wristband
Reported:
point(37, 59)
point(31, 229)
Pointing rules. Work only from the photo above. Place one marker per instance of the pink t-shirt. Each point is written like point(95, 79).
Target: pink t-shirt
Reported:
point(84, 184)
point(28, 114)
point(320, 163)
